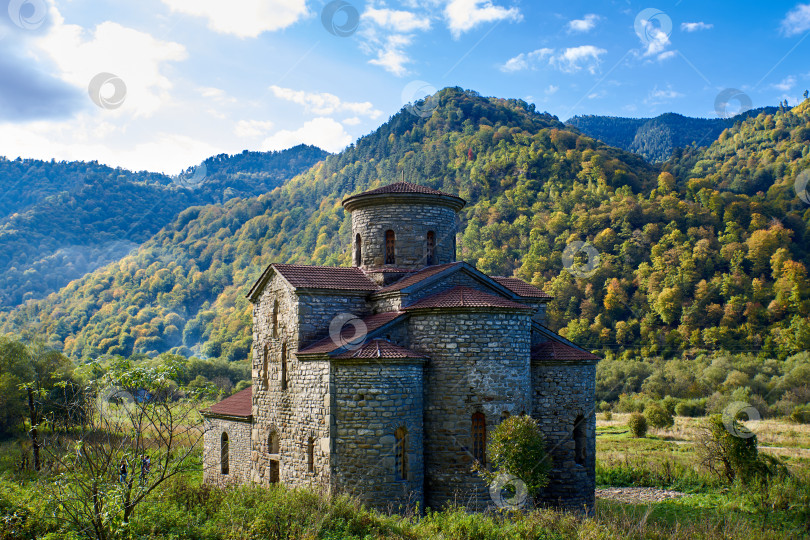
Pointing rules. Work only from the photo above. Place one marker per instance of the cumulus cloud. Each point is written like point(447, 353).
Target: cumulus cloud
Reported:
point(785, 84)
point(252, 128)
point(586, 24)
point(324, 103)
point(464, 15)
point(134, 56)
point(525, 61)
point(660, 95)
point(797, 20)
point(397, 20)
point(243, 18)
point(695, 26)
point(391, 54)
point(574, 59)
point(322, 132)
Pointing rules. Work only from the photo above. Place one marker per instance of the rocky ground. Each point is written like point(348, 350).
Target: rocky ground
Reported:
point(636, 495)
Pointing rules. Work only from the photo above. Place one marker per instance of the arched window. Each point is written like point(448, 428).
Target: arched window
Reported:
point(266, 367)
point(358, 250)
point(311, 454)
point(275, 319)
point(431, 248)
point(390, 247)
point(401, 454)
point(580, 441)
point(284, 366)
point(479, 437)
point(273, 450)
point(224, 460)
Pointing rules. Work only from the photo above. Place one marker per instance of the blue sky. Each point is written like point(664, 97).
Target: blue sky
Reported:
point(162, 84)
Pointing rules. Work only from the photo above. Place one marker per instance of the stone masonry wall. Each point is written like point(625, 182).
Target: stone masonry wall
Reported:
point(238, 451)
point(561, 393)
point(296, 414)
point(410, 223)
point(317, 311)
point(479, 362)
point(371, 401)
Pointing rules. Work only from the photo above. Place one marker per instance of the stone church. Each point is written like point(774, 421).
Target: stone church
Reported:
point(383, 379)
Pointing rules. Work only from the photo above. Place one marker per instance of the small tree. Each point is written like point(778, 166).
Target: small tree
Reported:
point(637, 425)
point(517, 447)
point(728, 450)
point(657, 416)
point(124, 452)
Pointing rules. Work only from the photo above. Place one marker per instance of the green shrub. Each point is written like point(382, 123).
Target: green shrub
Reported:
point(669, 403)
point(518, 447)
point(691, 407)
point(801, 414)
point(608, 416)
point(727, 449)
point(637, 425)
point(657, 416)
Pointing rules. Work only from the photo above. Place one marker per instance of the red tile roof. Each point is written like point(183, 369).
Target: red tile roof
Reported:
point(521, 288)
point(348, 332)
point(554, 350)
point(403, 187)
point(461, 297)
point(416, 277)
point(326, 277)
point(380, 348)
point(239, 404)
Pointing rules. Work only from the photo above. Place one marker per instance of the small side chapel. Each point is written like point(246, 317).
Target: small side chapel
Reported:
point(383, 379)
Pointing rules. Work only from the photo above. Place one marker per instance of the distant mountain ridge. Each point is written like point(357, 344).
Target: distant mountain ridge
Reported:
point(656, 138)
point(61, 220)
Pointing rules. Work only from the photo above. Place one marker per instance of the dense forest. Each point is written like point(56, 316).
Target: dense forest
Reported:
point(61, 220)
point(706, 252)
point(657, 138)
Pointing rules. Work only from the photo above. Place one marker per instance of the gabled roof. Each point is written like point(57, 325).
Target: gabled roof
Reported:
point(302, 276)
point(521, 288)
point(556, 350)
point(240, 404)
point(380, 348)
point(417, 277)
point(349, 331)
point(403, 187)
point(465, 297)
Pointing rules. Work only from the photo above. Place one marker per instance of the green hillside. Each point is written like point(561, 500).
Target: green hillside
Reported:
point(685, 262)
point(657, 138)
point(65, 219)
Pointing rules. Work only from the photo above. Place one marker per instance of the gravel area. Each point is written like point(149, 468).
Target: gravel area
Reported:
point(637, 495)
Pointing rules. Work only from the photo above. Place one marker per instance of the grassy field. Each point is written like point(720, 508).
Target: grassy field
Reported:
point(665, 459)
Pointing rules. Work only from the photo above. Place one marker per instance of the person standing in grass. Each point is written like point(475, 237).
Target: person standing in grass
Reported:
point(122, 470)
point(146, 464)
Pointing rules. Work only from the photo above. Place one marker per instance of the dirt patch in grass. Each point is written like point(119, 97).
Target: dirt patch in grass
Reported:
point(637, 495)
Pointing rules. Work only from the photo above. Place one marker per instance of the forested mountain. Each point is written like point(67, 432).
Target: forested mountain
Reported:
point(61, 220)
point(690, 258)
point(656, 138)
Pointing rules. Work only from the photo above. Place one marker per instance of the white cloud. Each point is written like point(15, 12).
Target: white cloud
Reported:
point(785, 84)
point(353, 121)
point(322, 132)
point(585, 24)
point(391, 54)
point(695, 26)
point(396, 20)
point(525, 60)
point(135, 57)
point(574, 59)
point(464, 15)
point(656, 40)
point(252, 128)
point(666, 55)
point(551, 90)
point(658, 96)
point(324, 103)
point(797, 20)
point(243, 18)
